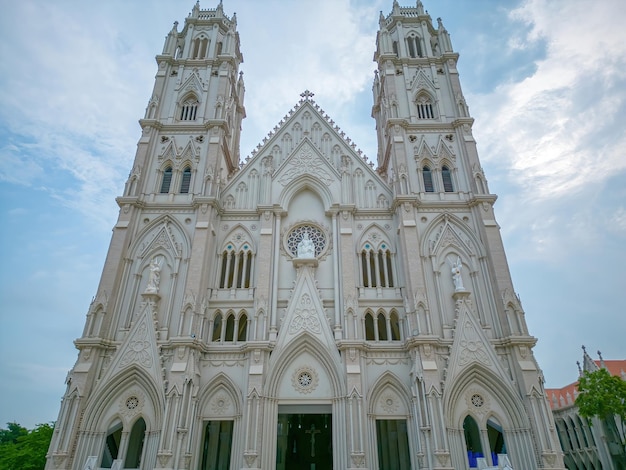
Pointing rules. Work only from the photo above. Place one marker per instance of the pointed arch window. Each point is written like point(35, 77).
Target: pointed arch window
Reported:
point(235, 330)
point(497, 446)
point(377, 266)
point(230, 328)
point(200, 46)
point(425, 108)
point(427, 177)
point(394, 326)
point(217, 328)
point(189, 109)
point(472, 441)
point(135, 444)
point(382, 327)
point(185, 181)
point(413, 46)
point(370, 334)
point(236, 267)
point(112, 445)
point(166, 181)
point(242, 328)
point(446, 177)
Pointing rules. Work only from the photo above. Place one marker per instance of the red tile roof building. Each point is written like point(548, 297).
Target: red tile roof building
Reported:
point(588, 446)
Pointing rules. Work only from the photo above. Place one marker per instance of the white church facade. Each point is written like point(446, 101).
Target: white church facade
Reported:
point(305, 308)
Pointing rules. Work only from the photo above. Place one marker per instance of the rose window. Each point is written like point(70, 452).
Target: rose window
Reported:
point(316, 235)
point(477, 400)
point(305, 379)
point(132, 402)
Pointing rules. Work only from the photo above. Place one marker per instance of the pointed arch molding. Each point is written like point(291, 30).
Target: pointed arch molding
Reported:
point(388, 397)
point(421, 82)
point(500, 399)
point(448, 231)
point(376, 236)
point(164, 234)
point(303, 344)
point(192, 85)
point(303, 182)
point(307, 161)
point(177, 155)
point(239, 235)
point(105, 404)
point(220, 398)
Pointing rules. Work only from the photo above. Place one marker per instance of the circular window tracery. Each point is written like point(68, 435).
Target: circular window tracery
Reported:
point(316, 235)
point(477, 400)
point(132, 402)
point(305, 379)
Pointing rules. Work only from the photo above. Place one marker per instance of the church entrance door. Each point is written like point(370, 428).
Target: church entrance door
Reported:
point(304, 442)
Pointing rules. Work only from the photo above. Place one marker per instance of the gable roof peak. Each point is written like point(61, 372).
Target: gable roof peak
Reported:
point(306, 99)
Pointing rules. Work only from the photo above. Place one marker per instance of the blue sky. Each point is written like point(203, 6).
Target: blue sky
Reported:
point(544, 79)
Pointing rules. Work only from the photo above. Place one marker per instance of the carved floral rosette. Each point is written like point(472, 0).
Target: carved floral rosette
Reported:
point(305, 379)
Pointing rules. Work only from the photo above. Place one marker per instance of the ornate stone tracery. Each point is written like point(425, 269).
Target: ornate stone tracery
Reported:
point(305, 317)
point(315, 234)
point(305, 379)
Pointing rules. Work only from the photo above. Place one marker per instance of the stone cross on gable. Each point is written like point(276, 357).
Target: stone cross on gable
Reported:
point(307, 95)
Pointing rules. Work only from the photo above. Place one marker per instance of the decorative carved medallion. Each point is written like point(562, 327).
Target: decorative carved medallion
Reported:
point(305, 317)
point(472, 348)
point(389, 403)
point(305, 379)
point(138, 349)
point(131, 404)
point(249, 457)
point(477, 401)
point(358, 459)
point(306, 162)
point(220, 405)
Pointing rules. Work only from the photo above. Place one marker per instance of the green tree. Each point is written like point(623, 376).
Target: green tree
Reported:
point(12, 432)
point(603, 396)
point(21, 449)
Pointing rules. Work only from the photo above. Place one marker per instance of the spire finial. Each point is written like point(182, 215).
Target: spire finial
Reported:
point(602, 364)
point(307, 95)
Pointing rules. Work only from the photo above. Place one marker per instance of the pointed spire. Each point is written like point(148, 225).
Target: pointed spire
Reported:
point(420, 7)
point(440, 25)
point(588, 364)
point(602, 364)
point(580, 371)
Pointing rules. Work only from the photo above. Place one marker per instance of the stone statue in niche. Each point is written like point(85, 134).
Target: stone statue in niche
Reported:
point(306, 248)
point(456, 274)
point(155, 275)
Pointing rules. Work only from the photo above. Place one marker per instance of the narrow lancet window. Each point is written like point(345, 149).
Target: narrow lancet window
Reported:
point(166, 181)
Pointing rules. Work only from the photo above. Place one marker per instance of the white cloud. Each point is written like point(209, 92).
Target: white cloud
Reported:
point(559, 132)
point(329, 50)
